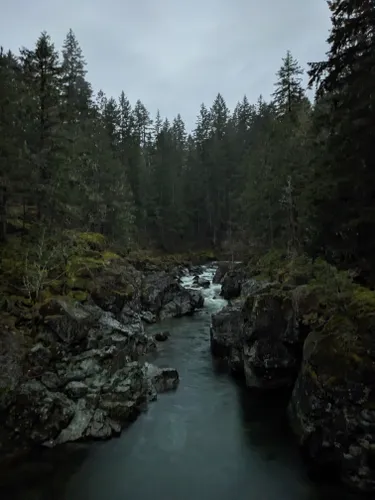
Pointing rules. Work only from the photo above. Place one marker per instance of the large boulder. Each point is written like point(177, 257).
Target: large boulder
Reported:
point(201, 282)
point(82, 378)
point(162, 336)
point(163, 296)
point(270, 340)
point(221, 269)
point(332, 409)
point(226, 336)
point(35, 415)
point(162, 379)
point(232, 282)
point(118, 287)
point(68, 320)
point(259, 335)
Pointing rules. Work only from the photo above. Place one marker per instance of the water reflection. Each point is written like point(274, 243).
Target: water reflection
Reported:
point(44, 474)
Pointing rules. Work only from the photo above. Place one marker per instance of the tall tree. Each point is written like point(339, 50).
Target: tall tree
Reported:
point(77, 91)
point(42, 73)
point(345, 209)
point(289, 91)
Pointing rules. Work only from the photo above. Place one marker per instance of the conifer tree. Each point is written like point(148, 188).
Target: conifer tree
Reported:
point(345, 213)
point(289, 91)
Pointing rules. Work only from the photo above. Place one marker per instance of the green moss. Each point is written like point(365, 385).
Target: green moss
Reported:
point(21, 300)
point(95, 241)
point(108, 256)
point(78, 295)
point(337, 324)
point(312, 372)
point(8, 320)
point(267, 266)
point(82, 266)
point(18, 223)
point(75, 282)
point(362, 303)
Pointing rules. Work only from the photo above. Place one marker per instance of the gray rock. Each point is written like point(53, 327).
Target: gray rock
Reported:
point(164, 296)
point(162, 336)
point(76, 429)
point(38, 414)
point(268, 364)
point(232, 283)
point(202, 282)
point(101, 427)
point(86, 380)
point(125, 393)
point(221, 270)
point(76, 390)
point(332, 405)
point(163, 379)
point(225, 335)
point(39, 356)
point(51, 381)
point(148, 317)
point(68, 320)
point(271, 344)
point(251, 287)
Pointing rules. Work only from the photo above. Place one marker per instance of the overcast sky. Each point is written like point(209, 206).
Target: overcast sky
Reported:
point(175, 54)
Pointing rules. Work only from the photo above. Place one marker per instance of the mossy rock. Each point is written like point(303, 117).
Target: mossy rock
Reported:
point(108, 256)
point(83, 267)
point(8, 320)
point(362, 307)
point(55, 306)
point(95, 241)
point(79, 295)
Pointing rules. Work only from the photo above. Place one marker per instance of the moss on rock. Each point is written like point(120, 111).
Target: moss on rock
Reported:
point(95, 241)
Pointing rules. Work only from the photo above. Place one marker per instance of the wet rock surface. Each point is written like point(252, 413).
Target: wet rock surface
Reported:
point(232, 281)
point(165, 297)
point(332, 408)
point(84, 376)
point(162, 379)
point(226, 336)
point(296, 335)
point(162, 336)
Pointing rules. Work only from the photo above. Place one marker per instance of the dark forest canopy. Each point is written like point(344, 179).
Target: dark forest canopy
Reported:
point(285, 173)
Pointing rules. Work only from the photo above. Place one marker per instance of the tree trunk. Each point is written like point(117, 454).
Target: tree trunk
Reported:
point(3, 213)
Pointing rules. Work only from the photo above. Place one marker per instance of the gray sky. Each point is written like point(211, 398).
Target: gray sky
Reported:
point(175, 54)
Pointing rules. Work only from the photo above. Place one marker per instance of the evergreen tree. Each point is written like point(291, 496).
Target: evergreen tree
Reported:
point(12, 166)
point(77, 91)
point(42, 73)
point(289, 91)
point(285, 173)
point(345, 213)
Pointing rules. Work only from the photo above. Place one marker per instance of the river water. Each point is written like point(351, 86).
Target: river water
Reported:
point(210, 440)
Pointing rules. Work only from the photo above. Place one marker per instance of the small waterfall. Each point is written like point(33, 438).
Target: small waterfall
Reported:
point(212, 298)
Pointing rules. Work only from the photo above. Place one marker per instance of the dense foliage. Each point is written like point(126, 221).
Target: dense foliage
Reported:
point(287, 173)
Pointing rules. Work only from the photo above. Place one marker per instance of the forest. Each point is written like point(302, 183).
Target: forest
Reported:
point(283, 173)
point(109, 216)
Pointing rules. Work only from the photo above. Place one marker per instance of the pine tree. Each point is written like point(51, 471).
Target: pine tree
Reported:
point(77, 92)
point(11, 133)
point(125, 118)
point(345, 205)
point(42, 73)
point(289, 91)
point(112, 121)
point(158, 123)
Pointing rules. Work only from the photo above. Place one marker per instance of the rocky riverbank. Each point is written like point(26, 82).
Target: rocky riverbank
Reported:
point(73, 361)
point(305, 326)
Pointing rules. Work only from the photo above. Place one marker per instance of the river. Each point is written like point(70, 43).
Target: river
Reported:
point(210, 440)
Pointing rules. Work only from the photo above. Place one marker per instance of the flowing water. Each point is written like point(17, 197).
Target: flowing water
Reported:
point(210, 440)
